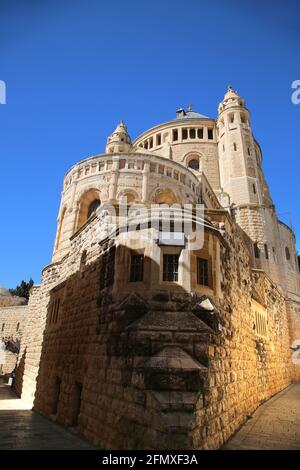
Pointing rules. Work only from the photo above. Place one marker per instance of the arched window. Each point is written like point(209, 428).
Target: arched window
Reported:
point(165, 196)
point(88, 204)
point(93, 207)
point(287, 253)
point(130, 196)
point(194, 164)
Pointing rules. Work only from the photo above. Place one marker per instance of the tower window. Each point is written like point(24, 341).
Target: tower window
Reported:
point(18, 327)
point(266, 251)
point(192, 133)
point(184, 134)
point(146, 144)
point(243, 119)
point(287, 253)
point(210, 134)
point(202, 272)
point(170, 267)
point(223, 148)
point(234, 146)
point(175, 135)
point(248, 150)
point(200, 133)
point(151, 143)
point(158, 139)
point(137, 268)
point(256, 250)
point(254, 188)
point(3, 326)
point(231, 118)
point(194, 164)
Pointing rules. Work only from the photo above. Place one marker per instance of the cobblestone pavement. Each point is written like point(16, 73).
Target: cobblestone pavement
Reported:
point(274, 425)
point(21, 428)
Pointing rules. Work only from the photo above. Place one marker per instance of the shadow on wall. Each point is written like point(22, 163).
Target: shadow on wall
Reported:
point(19, 374)
point(127, 370)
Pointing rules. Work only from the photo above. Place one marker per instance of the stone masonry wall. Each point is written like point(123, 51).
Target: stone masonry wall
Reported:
point(12, 324)
point(158, 372)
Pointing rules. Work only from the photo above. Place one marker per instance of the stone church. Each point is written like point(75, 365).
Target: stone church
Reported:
point(140, 340)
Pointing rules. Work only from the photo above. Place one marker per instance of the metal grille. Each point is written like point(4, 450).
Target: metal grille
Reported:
point(137, 268)
point(170, 272)
point(202, 272)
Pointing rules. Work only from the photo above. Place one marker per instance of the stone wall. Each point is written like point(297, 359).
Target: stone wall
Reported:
point(155, 370)
point(12, 324)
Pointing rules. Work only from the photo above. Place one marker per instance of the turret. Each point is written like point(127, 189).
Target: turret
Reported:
point(119, 140)
point(237, 151)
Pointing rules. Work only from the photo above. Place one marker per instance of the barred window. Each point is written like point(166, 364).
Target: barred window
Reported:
point(137, 268)
point(170, 267)
point(202, 272)
point(256, 250)
point(266, 251)
point(107, 271)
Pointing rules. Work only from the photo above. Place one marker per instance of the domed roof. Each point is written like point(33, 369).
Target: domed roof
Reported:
point(230, 93)
point(189, 114)
point(4, 291)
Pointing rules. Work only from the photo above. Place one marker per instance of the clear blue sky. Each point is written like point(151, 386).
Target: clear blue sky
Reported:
point(74, 68)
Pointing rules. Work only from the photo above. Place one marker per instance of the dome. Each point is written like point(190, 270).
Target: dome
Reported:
point(4, 291)
point(231, 99)
point(230, 93)
point(189, 114)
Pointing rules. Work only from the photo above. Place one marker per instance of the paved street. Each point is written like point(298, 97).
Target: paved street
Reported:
point(21, 428)
point(274, 425)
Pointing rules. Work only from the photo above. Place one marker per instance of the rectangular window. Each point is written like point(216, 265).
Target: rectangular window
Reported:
point(256, 250)
point(200, 133)
point(137, 268)
point(175, 135)
point(107, 270)
point(192, 133)
point(170, 268)
point(3, 326)
point(254, 188)
point(202, 272)
point(266, 251)
point(210, 134)
point(184, 134)
point(151, 143)
point(158, 139)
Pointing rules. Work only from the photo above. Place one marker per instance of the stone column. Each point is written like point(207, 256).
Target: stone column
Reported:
point(146, 171)
point(114, 180)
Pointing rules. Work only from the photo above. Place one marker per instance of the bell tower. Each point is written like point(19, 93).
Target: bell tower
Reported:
point(243, 179)
point(238, 155)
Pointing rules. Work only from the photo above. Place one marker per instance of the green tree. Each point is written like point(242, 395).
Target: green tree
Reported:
point(23, 289)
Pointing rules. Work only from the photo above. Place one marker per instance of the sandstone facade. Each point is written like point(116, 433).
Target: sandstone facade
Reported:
point(139, 342)
point(13, 316)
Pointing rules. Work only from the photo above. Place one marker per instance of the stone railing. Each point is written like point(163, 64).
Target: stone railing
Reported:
point(132, 163)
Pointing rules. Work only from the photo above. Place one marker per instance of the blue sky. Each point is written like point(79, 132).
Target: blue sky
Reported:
point(73, 69)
